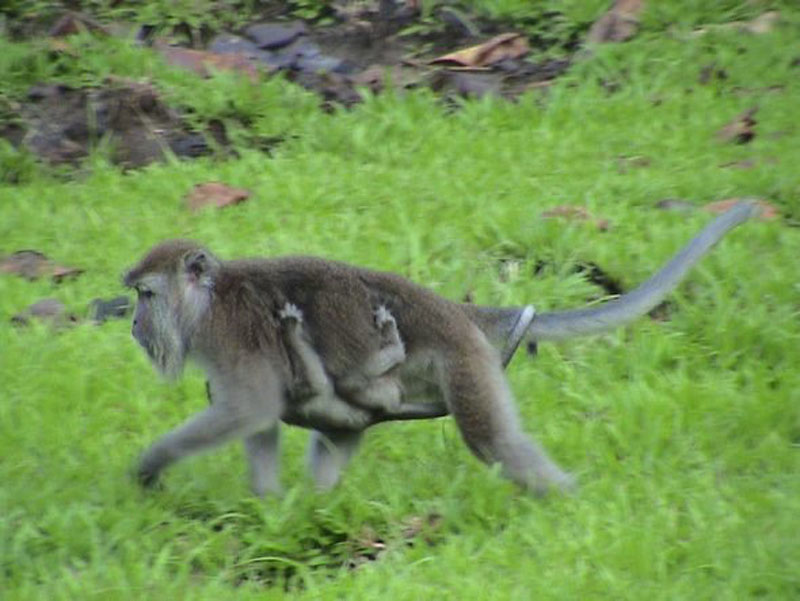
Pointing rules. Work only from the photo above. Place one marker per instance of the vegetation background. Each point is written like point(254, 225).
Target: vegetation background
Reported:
point(684, 432)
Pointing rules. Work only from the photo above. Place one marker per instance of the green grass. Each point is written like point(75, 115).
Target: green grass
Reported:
point(684, 434)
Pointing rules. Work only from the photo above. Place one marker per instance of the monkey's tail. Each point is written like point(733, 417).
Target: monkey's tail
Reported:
point(582, 322)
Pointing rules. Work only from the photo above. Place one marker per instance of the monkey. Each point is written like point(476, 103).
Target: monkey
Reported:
point(224, 315)
point(368, 386)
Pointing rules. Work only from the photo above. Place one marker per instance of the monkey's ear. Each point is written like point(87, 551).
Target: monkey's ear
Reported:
point(198, 263)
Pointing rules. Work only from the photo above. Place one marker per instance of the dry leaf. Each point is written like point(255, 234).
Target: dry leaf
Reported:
point(675, 204)
point(760, 25)
point(416, 525)
point(743, 164)
point(203, 62)
point(368, 547)
point(742, 129)
point(620, 23)
point(573, 213)
point(747, 91)
point(61, 46)
point(769, 211)
point(626, 163)
point(501, 47)
point(31, 264)
point(215, 194)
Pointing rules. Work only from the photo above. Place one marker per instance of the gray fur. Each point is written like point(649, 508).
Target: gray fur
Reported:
point(226, 316)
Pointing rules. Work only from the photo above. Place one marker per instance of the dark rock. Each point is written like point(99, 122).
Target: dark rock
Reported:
point(101, 310)
point(50, 310)
point(675, 204)
point(270, 36)
point(322, 63)
point(467, 84)
point(305, 55)
point(227, 43)
point(63, 124)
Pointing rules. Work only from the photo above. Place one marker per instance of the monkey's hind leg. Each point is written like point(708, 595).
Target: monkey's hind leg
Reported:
point(481, 403)
point(328, 454)
point(370, 386)
point(392, 351)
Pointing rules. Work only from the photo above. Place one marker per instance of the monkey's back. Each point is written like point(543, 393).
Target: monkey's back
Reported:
point(339, 300)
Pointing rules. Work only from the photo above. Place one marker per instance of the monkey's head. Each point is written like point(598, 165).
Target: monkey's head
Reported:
point(174, 283)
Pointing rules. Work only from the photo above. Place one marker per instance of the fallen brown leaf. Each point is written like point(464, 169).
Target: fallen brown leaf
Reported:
point(368, 547)
point(675, 204)
point(31, 264)
point(746, 91)
point(61, 46)
point(769, 212)
point(620, 23)
point(742, 129)
point(416, 525)
point(203, 62)
point(501, 47)
point(215, 194)
point(762, 24)
point(573, 213)
point(626, 163)
point(743, 164)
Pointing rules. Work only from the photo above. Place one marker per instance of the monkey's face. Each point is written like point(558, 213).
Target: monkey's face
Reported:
point(174, 283)
point(156, 326)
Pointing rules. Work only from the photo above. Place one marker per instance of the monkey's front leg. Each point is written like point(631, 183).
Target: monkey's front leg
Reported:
point(246, 402)
point(212, 427)
point(328, 453)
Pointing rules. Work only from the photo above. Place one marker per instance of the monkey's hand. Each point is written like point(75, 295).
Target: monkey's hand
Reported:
point(148, 471)
point(291, 314)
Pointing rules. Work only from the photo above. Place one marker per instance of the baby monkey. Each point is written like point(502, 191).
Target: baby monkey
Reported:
point(371, 386)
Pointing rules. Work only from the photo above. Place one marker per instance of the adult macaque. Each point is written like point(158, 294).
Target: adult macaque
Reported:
point(226, 315)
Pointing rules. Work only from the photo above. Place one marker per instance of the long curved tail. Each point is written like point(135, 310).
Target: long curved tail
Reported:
point(582, 322)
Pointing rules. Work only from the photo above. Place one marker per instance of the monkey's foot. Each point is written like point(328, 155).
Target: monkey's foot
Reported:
point(291, 312)
point(556, 481)
point(385, 320)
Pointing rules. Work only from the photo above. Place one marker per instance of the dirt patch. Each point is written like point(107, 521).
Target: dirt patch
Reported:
point(62, 125)
point(378, 45)
point(376, 49)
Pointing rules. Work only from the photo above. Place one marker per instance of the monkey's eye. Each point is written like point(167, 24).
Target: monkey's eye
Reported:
point(145, 293)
